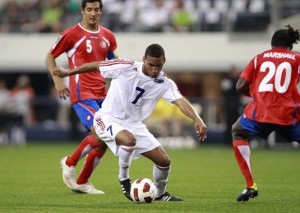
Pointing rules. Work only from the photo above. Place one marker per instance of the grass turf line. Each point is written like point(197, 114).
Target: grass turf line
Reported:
point(207, 178)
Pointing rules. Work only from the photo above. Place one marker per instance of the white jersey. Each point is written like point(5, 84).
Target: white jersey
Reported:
point(132, 95)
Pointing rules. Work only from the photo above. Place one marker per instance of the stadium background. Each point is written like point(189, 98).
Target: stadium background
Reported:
point(198, 59)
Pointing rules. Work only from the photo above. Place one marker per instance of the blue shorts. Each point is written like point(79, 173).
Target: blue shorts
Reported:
point(86, 110)
point(263, 130)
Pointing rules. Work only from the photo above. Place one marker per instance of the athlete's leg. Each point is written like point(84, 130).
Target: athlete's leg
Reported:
point(92, 160)
point(87, 144)
point(161, 168)
point(161, 172)
point(242, 151)
point(85, 111)
point(121, 141)
point(127, 143)
point(290, 133)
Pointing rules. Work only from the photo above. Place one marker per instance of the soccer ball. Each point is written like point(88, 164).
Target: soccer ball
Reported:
point(143, 190)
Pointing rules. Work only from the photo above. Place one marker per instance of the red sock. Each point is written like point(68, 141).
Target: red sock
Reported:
point(242, 155)
point(86, 145)
point(92, 160)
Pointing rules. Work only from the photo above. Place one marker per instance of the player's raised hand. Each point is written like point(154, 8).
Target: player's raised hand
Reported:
point(60, 72)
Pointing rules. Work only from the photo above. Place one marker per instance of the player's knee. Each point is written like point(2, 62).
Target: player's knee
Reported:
point(129, 140)
point(165, 162)
point(98, 152)
point(102, 147)
point(239, 135)
point(237, 132)
point(125, 138)
point(234, 128)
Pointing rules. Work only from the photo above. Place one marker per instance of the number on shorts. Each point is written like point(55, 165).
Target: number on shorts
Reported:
point(109, 129)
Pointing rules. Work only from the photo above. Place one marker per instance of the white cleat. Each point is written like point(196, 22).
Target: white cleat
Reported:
point(86, 188)
point(68, 173)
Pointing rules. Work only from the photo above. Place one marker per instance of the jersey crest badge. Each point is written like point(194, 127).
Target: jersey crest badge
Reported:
point(159, 81)
point(103, 44)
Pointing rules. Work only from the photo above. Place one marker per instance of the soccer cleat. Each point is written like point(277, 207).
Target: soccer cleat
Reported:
point(250, 192)
point(168, 197)
point(126, 185)
point(86, 188)
point(68, 173)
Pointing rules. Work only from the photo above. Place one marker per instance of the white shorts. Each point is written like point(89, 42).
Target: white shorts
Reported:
point(107, 128)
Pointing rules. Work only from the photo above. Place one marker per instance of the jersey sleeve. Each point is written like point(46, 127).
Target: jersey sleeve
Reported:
point(112, 52)
point(62, 45)
point(248, 71)
point(113, 68)
point(172, 93)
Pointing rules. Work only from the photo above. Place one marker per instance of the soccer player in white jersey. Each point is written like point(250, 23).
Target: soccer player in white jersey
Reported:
point(135, 89)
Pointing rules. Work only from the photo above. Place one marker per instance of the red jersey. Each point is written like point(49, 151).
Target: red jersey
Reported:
point(273, 77)
point(83, 46)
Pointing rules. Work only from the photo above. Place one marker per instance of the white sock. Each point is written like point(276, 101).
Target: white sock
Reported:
point(160, 177)
point(85, 151)
point(125, 157)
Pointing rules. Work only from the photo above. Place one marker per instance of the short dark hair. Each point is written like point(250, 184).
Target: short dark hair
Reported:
point(155, 50)
point(285, 37)
point(83, 4)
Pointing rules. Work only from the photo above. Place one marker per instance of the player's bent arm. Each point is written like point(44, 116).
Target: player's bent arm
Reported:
point(189, 111)
point(242, 86)
point(60, 85)
point(51, 64)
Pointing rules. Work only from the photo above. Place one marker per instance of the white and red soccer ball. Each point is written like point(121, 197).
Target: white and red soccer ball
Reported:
point(143, 190)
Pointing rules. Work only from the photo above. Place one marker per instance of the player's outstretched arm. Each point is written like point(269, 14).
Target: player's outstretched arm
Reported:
point(189, 111)
point(88, 67)
point(60, 72)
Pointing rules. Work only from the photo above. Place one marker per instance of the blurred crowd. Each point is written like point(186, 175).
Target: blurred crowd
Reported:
point(22, 108)
point(28, 16)
point(15, 110)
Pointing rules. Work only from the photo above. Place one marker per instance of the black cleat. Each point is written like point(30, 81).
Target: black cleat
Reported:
point(168, 197)
point(126, 185)
point(251, 192)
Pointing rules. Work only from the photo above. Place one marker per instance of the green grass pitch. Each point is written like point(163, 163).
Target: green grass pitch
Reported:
point(207, 178)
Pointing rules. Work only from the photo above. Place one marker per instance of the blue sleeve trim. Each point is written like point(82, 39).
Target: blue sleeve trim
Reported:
point(111, 55)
